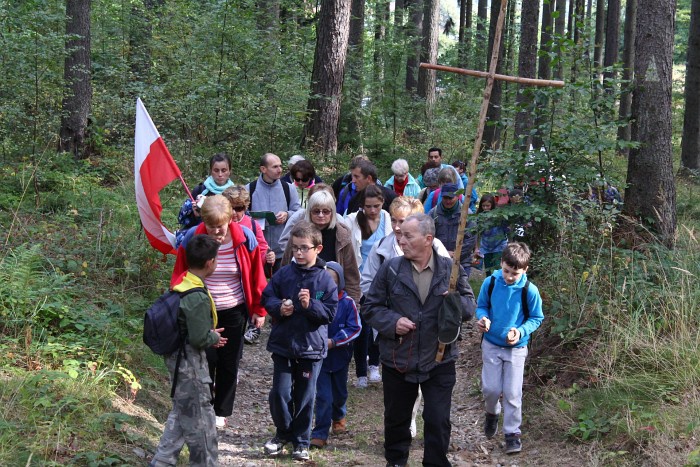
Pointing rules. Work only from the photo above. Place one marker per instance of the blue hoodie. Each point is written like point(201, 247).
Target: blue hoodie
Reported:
point(345, 327)
point(505, 310)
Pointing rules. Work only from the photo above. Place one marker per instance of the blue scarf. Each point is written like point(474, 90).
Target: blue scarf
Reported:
point(212, 187)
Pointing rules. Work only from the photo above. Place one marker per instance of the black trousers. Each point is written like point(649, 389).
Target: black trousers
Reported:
point(224, 361)
point(399, 397)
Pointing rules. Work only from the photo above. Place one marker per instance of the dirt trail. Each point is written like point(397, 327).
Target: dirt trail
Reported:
point(240, 443)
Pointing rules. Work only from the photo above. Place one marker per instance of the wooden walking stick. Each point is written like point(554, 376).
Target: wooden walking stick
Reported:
point(491, 76)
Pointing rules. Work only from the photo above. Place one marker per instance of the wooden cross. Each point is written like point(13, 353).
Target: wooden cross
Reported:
point(490, 77)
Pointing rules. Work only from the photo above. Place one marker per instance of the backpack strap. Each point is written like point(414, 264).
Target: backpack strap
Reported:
point(526, 307)
point(254, 184)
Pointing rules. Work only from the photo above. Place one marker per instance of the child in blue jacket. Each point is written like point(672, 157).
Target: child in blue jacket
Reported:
point(509, 309)
point(302, 299)
point(332, 383)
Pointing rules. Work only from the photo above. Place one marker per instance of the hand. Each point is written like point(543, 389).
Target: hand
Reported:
point(304, 298)
point(513, 336)
point(452, 254)
point(404, 326)
point(258, 321)
point(281, 217)
point(287, 308)
point(270, 257)
point(484, 324)
point(330, 343)
point(222, 340)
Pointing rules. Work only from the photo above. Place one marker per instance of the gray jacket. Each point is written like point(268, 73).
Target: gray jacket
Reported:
point(270, 197)
point(394, 294)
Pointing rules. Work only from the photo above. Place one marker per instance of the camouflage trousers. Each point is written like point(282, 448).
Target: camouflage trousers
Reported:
point(192, 419)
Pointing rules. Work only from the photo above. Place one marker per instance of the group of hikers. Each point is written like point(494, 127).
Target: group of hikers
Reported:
point(357, 270)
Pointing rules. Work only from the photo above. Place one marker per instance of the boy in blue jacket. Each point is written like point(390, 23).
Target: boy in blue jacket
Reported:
point(302, 299)
point(332, 383)
point(509, 309)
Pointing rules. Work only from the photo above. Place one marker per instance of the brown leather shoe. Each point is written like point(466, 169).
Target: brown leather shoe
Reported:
point(317, 443)
point(339, 427)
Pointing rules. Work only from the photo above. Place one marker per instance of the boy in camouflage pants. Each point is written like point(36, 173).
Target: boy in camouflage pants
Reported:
point(192, 419)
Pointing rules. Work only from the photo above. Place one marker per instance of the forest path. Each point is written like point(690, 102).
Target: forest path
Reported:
point(240, 443)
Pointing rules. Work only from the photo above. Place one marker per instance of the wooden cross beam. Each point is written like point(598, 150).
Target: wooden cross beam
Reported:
point(491, 76)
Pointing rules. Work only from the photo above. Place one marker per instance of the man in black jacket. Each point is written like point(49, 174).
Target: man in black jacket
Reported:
point(403, 305)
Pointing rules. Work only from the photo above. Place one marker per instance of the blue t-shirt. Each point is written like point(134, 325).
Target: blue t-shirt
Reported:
point(369, 243)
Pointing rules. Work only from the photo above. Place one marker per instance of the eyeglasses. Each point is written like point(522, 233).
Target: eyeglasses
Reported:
point(297, 179)
point(321, 212)
point(239, 208)
point(303, 248)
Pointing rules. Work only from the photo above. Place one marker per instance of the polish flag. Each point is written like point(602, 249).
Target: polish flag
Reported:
point(154, 168)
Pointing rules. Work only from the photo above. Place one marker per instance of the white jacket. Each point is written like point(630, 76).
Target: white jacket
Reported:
point(357, 233)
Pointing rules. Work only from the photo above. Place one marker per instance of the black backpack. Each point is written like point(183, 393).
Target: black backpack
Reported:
point(251, 189)
point(161, 331)
point(523, 297)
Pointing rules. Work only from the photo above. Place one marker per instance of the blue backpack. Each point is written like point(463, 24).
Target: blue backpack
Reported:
point(161, 331)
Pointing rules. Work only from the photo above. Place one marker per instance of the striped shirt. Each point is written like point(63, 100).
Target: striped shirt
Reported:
point(225, 283)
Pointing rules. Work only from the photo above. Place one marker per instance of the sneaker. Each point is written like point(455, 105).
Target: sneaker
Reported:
point(274, 446)
point(490, 425)
point(513, 444)
point(361, 382)
point(373, 374)
point(252, 335)
point(414, 428)
point(220, 422)
point(301, 454)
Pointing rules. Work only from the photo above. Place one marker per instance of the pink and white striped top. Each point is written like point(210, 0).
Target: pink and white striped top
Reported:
point(225, 284)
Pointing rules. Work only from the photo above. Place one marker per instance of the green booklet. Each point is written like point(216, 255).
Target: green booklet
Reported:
point(269, 216)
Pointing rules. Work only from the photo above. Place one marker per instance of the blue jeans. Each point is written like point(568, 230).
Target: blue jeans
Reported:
point(331, 396)
point(363, 347)
point(292, 398)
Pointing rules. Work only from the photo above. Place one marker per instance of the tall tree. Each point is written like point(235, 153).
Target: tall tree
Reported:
point(492, 131)
point(527, 68)
point(599, 33)
point(624, 132)
point(353, 88)
point(323, 109)
point(77, 94)
point(381, 19)
point(544, 68)
point(429, 52)
point(482, 16)
point(560, 30)
point(612, 38)
point(414, 29)
point(690, 148)
point(465, 32)
point(651, 191)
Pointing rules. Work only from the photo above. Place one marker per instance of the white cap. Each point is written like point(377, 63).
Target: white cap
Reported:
point(294, 159)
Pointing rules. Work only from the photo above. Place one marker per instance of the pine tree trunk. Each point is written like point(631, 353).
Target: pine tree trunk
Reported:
point(429, 52)
point(651, 191)
point(323, 110)
point(353, 85)
point(599, 34)
point(399, 13)
point(612, 40)
point(527, 68)
point(414, 31)
point(77, 94)
point(381, 18)
point(492, 131)
point(482, 16)
point(465, 32)
point(560, 30)
point(690, 148)
point(545, 61)
point(570, 26)
point(624, 132)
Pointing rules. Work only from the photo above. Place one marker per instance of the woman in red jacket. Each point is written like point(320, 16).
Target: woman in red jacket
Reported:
point(236, 287)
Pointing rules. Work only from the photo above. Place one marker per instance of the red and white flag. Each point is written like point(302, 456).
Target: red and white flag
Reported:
point(154, 168)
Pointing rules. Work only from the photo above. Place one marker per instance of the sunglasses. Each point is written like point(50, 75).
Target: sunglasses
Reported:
point(239, 208)
point(297, 179)
point(318, 212)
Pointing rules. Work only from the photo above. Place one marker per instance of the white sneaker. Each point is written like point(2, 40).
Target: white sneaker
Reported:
point(361, 382)
point(414, 429)
point(373, 374)
point(220, 422)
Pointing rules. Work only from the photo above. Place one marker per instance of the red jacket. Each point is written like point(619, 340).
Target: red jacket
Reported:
point(252, 273)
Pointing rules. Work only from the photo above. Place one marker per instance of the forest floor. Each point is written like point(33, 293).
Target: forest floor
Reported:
point(240, 443)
